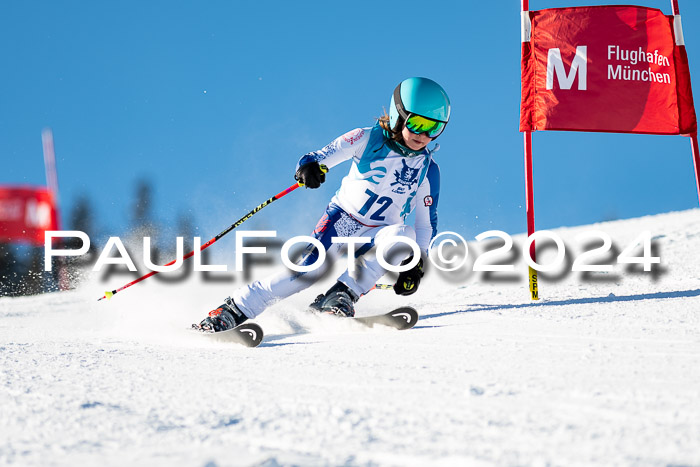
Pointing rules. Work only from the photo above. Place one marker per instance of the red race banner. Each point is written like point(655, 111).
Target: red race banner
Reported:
point(605, 68)
point(25, 213)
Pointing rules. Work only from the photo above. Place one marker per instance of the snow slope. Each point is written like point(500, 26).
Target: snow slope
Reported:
point(601, 370)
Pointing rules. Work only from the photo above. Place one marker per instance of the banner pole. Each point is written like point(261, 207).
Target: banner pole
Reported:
point(50, 170)
point(50, 162)
point(530, 211)
point(694, 136)
point(52, 184)
point(696, 160)
point(529, 185)
point(674, 7)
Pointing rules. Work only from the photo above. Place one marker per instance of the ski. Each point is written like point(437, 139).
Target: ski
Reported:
point(248, 334)
point(401, 318)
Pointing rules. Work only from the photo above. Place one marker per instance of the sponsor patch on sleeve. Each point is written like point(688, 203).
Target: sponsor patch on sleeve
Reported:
point(353, 136)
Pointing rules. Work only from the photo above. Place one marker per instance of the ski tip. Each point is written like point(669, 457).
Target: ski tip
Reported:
point(247, 334)
point(407, 315)
point(254, 334)
point(401, 318)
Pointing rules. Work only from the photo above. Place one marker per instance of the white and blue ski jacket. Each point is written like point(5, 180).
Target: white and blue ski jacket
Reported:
point(386, 182)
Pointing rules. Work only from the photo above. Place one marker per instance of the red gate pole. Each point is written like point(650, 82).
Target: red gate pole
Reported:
point(529, 185)
point(696, 160)
point(694, 137)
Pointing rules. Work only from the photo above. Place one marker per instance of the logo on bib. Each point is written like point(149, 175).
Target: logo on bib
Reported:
point(405, 178)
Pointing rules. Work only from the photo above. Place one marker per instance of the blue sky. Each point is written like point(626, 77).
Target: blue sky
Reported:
point(215, 102)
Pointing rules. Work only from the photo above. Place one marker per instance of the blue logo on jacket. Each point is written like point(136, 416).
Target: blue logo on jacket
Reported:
point(405, 178)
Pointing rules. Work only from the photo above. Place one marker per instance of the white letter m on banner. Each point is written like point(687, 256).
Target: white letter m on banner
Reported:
point(556, 65)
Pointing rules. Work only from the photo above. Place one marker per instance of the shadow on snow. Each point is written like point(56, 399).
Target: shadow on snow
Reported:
point(574, 301)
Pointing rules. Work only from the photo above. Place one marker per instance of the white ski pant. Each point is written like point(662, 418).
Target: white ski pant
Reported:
point(253, 299)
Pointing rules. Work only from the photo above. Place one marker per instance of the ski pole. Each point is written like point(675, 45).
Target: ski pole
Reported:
point(380, 287)
point(210, 242)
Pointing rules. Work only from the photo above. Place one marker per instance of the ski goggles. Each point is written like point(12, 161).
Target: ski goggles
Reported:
point(417, 124)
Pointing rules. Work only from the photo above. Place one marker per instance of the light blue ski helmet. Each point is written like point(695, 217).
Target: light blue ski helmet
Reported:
point(420, 96)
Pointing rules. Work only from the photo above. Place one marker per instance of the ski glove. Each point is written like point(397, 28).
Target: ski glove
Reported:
point(311, 175)
point(408, 281)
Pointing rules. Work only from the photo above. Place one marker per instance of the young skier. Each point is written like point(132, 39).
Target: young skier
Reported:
point(392, 173)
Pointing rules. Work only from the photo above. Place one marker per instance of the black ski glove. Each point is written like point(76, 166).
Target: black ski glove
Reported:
point(408, 281)
point(311, 175)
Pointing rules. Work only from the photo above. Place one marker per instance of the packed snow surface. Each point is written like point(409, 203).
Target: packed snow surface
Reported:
point(603, 369)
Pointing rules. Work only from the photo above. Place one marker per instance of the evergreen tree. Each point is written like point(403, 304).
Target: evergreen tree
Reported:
point(142, 219)
point(82, 219)
point(8, 270)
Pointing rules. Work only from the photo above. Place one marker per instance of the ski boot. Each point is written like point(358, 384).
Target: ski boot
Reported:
point(339, 300)
point(223, 318)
